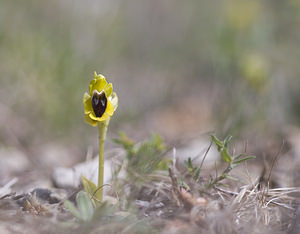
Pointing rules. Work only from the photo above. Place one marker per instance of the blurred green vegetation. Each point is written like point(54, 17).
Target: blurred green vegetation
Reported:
point(246, 51)
point(145, 157)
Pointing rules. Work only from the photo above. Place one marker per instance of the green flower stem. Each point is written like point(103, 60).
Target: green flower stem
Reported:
point(102, 135)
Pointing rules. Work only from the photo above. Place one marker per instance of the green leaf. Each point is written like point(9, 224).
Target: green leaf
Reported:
point(70, 206)
point(225, 155)
point(91, 190)
point(157, 142)
point(126, 143)
point(85, 206)
point(88, 185)
point(163, 165)
point(219, 143)
point(147, 156)
point(243, 159)
point(227, 141)
point(189, 165)
point(239, 156)
point(186, 164)
point(196, 176)
point(104, 211)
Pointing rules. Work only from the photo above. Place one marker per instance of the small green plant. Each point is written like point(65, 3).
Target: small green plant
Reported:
point(193, 170)
point(146, 157)
point(231, 160)
point(99, 105)
point(84, 210)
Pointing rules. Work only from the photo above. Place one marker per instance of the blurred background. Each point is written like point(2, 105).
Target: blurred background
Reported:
point(179, 68)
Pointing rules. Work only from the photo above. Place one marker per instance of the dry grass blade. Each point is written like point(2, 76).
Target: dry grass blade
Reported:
point(273, 162)
point(175, 189)
point(262, 206)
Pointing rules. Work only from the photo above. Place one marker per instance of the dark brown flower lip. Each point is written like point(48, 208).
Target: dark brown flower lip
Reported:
point(99, 103)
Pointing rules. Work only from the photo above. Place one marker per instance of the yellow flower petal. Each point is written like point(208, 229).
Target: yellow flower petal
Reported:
point(108, 89)
point(97, 76)
point(109, 108)
point(93, 116)
point(88, 108)
point(97, 84)
point(100, 84)
point(90, 121)
point(105, 116)
point(92, 83)
point(102, 118)
point(85, 97)
point(114, 100)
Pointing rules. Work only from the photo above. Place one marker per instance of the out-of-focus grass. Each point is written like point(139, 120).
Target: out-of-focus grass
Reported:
point(147, 197)
point(245, 50)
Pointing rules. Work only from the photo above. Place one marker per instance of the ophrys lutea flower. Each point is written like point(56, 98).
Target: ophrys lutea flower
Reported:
point(101, 102)
point(99, 105)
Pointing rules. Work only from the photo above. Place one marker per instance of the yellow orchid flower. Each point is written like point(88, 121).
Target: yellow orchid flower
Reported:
point(99, 105)
point(101, 102)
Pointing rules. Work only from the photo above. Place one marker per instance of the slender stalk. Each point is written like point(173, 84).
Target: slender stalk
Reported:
point(221, 177)
point(102, 135)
